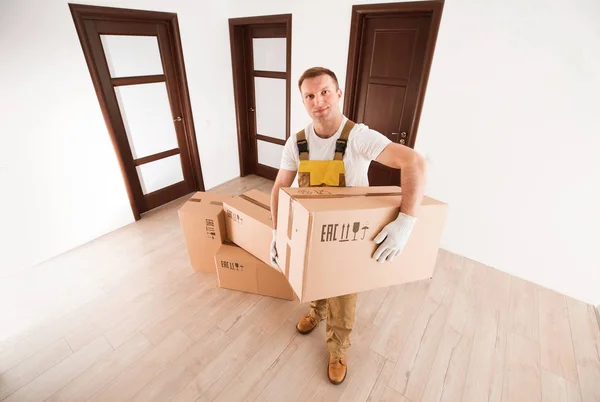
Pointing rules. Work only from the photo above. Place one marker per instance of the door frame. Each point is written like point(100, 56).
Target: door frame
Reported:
point(240, 74)
point(111, 112)
point(359, 14)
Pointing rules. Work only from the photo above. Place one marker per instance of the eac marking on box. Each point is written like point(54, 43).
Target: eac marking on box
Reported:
point(341, 232)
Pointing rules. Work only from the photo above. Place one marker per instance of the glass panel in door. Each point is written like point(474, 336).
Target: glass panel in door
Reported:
point(160, 174)
point(147, 116)
point(269, 54)
point(269, 154)
point(270, 94)
point(132, 56)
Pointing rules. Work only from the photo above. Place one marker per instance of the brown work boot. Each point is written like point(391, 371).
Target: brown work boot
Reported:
point(337, 369)
point(307, 324)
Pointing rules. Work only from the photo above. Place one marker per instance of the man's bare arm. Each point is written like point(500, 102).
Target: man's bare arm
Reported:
point(285, 178)
point(412, 174)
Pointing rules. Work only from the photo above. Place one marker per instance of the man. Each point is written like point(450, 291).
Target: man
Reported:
point(334, 151)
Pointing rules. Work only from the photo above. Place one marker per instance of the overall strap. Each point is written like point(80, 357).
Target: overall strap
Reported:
point(302, 145)
point(342, 142)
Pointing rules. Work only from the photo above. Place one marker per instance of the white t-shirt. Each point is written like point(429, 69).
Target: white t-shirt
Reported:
point(364, 145)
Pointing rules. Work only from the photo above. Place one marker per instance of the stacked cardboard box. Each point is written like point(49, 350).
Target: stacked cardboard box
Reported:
point(203, 223)
point(219, 241)
point(324, 240)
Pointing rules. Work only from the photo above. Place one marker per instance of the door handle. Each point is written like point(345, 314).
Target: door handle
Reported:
point(251, 109)
point(177, 119)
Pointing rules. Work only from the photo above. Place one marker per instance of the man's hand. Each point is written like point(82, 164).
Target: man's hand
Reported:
point(394, 237)
point(274, 250)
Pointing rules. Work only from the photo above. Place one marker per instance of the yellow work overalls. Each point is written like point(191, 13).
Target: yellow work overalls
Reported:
point(339, 311)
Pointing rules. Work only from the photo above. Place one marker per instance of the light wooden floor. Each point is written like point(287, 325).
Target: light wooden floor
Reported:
point(126, 318)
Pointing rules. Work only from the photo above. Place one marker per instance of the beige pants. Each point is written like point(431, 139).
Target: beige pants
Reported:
point(339, 313)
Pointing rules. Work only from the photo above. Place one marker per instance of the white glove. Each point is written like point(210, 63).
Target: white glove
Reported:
point(394, 237)
point(274, 250)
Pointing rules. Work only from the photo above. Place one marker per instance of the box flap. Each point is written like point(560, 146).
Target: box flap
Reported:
point(254, 203)
point(239, 270)
point(355, 198)
point(271, 282)
point(262, 199)
point(205, 199)
point(310, 192)
point(350, 203)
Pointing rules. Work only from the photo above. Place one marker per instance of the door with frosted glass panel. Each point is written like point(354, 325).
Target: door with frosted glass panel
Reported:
point(140, 87)
point(268, 118)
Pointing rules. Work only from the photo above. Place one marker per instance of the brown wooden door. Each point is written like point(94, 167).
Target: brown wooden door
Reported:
point(390, 72)
point(261, 62)
point(267, 93)
point(134, 69)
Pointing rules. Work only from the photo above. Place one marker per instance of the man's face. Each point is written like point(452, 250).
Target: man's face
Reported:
point(321, 97)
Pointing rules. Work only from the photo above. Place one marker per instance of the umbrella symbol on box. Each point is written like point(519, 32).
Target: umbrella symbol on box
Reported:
point(364, 229)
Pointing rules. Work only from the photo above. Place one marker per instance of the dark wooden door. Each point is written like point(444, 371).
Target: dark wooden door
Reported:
point(267, 92)
point(137, 70)
point(261, 60)
point(390, 71)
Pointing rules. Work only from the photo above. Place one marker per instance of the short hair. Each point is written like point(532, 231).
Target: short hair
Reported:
point(317, 72)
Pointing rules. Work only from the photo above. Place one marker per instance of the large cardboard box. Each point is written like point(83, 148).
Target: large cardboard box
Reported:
point(325, 239)
point(249, 223)
point(203, 223)
point(239, 270)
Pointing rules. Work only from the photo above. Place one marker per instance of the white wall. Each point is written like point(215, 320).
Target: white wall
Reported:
point(60, 183)
point(508, 126)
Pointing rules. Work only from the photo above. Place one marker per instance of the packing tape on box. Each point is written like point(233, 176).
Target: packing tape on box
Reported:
point(255, 202)
point(325, 196)
point(217, 203)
